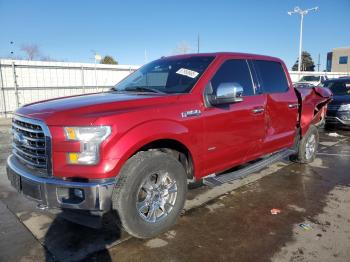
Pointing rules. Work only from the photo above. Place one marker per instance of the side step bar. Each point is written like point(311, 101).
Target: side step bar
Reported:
point(245, 171)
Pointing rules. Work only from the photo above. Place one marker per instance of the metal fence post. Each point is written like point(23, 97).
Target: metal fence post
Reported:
point(15, 83)
point(3, 91)
point(95, 76)
point(82, 79)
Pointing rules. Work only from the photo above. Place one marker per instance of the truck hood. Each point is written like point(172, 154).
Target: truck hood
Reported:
point(85, 109)
point(337, 99)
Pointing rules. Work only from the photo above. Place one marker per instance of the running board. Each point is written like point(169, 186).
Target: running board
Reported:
point(245, 171)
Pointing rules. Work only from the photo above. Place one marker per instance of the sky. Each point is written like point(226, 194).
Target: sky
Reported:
point(137, 31)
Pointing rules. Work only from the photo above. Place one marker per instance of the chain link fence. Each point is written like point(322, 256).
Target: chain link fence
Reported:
point(23, 82)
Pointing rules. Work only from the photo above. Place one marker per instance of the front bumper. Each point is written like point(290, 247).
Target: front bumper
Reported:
point(338, 117)
point(57, 193)
point(334, 120)
point(335, 117)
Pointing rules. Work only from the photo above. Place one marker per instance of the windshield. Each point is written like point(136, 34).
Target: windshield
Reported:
point(166, 75)
point(339, 88)
point(310, 79)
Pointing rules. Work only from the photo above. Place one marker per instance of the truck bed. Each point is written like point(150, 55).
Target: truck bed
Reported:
point(312, 105)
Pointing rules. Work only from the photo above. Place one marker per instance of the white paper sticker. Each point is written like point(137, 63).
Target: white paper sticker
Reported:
point(187, 72)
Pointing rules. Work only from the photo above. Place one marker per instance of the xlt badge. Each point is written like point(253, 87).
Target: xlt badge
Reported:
point(195, 112)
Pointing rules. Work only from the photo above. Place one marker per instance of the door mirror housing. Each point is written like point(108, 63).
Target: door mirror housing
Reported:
point(227, 93)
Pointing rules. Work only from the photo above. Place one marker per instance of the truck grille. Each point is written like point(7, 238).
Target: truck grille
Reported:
point(333, 107)
point(32, 144)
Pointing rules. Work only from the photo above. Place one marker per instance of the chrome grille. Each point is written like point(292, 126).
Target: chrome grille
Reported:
point(333, 107)
point(32, 144)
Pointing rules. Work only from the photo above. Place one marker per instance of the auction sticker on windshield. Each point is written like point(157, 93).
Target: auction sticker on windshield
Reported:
point(187, 72)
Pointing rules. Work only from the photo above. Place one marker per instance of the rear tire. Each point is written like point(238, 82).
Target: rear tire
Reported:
point(308, 145)
point(150, 193)
point(328, 127)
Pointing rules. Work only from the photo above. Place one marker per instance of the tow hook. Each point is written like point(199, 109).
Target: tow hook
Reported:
point(42, 207)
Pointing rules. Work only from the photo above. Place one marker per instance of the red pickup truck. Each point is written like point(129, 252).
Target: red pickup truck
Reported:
point(178, 119)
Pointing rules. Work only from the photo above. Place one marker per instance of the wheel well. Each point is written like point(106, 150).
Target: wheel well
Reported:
point(175, 148)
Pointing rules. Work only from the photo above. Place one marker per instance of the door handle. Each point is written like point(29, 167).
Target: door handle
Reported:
point(258, 110)
point(291, 106)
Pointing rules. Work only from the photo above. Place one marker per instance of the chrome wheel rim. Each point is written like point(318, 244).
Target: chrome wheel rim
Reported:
point(156, 197)
point(310, 147)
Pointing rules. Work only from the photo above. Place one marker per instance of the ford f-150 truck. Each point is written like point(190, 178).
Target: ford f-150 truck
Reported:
point(133, 150)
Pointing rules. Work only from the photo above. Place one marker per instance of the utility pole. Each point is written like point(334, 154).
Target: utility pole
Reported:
point(302, 13)
point(318, 62)
point(146, 57)
point(11, 52)
point(198, 41)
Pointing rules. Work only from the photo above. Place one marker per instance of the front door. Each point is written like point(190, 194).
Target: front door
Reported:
point(233, 131)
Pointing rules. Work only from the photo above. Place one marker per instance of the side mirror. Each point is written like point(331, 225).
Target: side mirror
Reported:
point(227, 93)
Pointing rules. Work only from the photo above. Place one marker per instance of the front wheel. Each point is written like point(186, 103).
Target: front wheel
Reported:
point(308, 146)
point(150, 193)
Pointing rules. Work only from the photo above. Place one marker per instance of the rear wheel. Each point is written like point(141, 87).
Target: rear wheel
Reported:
point(328, 126)
point(150, 193)
point(308, 146)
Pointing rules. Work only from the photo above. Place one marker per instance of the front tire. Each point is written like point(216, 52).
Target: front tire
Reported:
point(308, 146)
point(150, 193)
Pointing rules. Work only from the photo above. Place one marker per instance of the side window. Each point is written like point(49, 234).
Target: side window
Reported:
point(234, 71)
point(271, 76)
point(343, 60)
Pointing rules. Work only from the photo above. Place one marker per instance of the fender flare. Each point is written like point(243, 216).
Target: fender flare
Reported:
point(137, 137)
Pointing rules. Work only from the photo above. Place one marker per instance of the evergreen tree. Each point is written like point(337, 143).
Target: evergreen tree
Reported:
point(307, 64)
point(108, 60)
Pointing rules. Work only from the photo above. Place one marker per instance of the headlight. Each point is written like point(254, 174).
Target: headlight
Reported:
point(344, 107)
point(90, 139)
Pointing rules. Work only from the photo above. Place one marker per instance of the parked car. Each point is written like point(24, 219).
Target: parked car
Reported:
point(177, 119)
point(310, 81)
point(338, 112)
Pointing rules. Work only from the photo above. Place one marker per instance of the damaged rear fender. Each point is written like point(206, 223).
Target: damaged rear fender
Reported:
point(312, 106)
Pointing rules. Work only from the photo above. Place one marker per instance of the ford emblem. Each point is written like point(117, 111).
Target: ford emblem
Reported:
point(20, 138)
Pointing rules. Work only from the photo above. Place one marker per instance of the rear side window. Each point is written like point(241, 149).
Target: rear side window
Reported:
point(271, 76)
point(234, 71)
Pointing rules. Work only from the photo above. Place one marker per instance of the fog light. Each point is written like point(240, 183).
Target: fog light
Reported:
point(70, 195)
point(78, 193)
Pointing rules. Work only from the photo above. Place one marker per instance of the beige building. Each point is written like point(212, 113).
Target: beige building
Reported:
point(339, 60)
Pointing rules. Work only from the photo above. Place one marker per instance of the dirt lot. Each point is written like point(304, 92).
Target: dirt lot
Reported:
point(232, 222)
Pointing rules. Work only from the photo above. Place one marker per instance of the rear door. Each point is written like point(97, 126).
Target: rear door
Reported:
point(282, 105)
point(233, 131)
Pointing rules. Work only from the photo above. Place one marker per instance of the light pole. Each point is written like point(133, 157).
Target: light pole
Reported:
point(97, 58)
point(302, 13)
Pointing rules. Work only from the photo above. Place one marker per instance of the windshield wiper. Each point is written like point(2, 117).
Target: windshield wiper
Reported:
point(144, 88)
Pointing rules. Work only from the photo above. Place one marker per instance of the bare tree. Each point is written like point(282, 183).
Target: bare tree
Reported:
point(47, 58)
point(32, 51)
point(182, 48)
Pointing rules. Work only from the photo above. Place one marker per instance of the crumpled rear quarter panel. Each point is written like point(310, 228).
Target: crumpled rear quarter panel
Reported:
point(312, 105)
